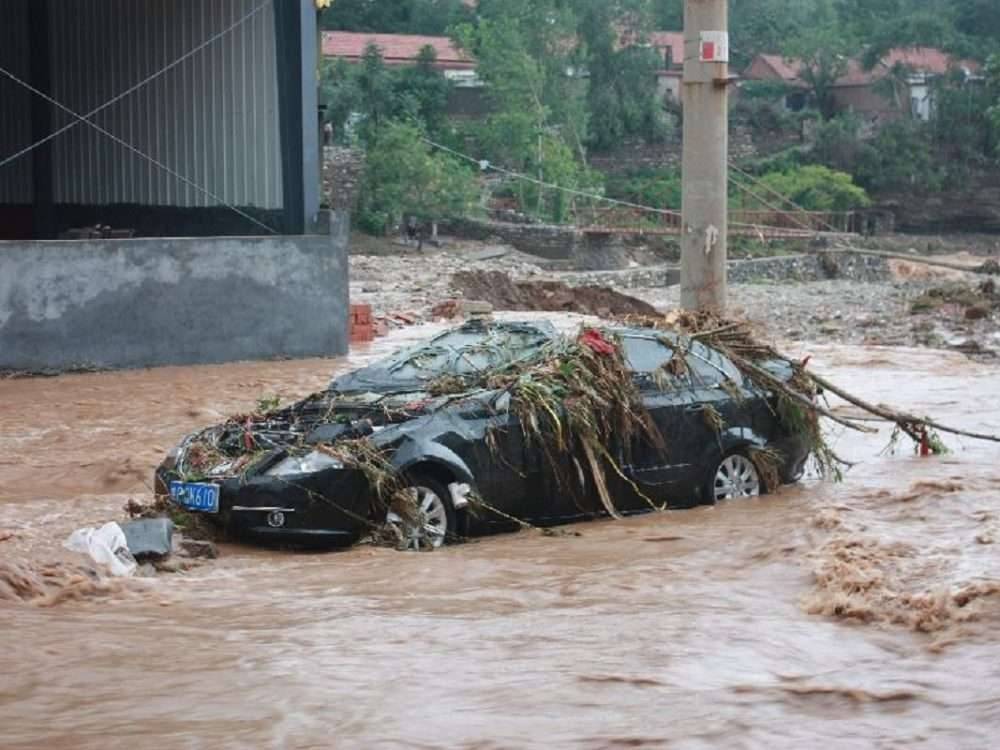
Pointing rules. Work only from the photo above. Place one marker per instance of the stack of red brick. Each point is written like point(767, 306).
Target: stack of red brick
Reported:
point(362, 325)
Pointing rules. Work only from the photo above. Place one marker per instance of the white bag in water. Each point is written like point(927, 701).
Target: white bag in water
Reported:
point(106, 546)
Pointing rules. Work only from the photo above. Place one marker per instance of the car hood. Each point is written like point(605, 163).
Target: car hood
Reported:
point(249, 444)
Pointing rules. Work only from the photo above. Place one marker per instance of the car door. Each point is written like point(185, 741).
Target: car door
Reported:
point(717, 403)
point(657, 461)
point(692, 394)
point(507, 472)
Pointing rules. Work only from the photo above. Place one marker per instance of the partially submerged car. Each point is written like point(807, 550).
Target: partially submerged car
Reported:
point(447, 427)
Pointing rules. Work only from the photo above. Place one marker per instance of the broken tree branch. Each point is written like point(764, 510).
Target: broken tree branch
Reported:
point(777, 384)
point(905, 421)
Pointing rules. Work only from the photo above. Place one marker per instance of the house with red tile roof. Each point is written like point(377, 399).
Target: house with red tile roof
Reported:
point(460, 67)
point(670, 47)
point(398, 50)
point(858, 89)
point(404, 49)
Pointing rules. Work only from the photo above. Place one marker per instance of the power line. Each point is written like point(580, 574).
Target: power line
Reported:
point(771, 206)
point(781, 196)
point(485, 164)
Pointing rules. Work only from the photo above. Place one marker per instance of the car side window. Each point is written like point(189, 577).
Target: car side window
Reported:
point(653, 363)
point(708, 367)
point(649, 360)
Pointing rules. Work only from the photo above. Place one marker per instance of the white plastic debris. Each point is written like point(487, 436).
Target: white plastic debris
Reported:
point(106, 546)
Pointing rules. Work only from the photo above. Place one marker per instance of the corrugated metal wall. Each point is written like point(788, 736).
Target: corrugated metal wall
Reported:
point(213, 119)
point(15, 104)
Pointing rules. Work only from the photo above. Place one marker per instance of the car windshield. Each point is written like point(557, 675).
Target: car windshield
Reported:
point(471, 349)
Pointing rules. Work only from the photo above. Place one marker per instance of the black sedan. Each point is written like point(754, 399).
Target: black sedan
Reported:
point(463, 456)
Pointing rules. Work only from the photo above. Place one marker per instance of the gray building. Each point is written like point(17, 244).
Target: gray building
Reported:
point(159, 119)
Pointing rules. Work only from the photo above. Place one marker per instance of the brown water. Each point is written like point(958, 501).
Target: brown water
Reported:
point(861, 615)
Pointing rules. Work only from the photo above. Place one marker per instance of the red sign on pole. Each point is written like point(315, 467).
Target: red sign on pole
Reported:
point(714, 47)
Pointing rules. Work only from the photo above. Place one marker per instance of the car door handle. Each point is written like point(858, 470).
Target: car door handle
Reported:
point(694, 408)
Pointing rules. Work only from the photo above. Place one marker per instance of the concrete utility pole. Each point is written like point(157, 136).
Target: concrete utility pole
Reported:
point(705, 170)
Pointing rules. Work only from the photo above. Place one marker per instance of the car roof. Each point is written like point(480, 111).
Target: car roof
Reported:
point(385, 374)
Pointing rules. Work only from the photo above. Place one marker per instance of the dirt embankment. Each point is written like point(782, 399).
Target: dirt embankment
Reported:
point(546, 296)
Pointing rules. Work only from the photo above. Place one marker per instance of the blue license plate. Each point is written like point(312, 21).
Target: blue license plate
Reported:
point(192, 496)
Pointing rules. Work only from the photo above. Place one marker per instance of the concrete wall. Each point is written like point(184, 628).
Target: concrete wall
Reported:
point(549, 241)
point(630, 156)
point(137, 303)
point(866, 102)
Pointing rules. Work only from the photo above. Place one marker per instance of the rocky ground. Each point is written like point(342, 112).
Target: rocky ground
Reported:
point(869, 300)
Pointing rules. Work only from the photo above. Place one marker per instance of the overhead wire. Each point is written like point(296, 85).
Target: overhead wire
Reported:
point(781, 196)
point(486, 165)
point(762, 201)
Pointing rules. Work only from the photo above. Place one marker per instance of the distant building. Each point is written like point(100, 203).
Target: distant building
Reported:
point(670, 47)
point(404, 49)
point(459, 67)
point(865, 92)
point(398, 50)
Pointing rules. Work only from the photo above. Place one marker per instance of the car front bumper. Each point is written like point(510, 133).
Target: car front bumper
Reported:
point(330, 508)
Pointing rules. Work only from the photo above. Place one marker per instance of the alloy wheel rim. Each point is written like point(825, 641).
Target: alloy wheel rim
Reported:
point(430, 528)
point(736, 477)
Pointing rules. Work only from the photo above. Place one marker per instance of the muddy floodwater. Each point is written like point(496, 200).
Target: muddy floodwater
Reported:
point(863, 614)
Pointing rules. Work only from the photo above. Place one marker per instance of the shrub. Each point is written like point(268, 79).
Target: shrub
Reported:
point(816, 188)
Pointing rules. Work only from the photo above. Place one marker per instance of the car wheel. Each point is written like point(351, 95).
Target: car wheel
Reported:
point(434, 518)
point(734, 477)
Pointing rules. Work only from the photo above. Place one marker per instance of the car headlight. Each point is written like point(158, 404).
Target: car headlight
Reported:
point(170, 461)
point(307, 464)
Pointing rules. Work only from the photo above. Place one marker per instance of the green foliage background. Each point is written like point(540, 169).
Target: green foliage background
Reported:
point(561, 87)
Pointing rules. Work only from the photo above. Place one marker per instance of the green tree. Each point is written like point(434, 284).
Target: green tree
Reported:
point(901, 157)
point(374, 93)
point(420, 91)
point(993, 89)
point(340, 93)
point(816, 188)
point(539, 123)
point(404, 176)
point(374, 83)
point(432, 17)
point(825, 56)
point(979, 18)
point(622, 95)
point(961, 123)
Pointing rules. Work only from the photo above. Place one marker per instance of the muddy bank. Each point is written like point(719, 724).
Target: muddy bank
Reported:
point(503, 293)
point(868, 301)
